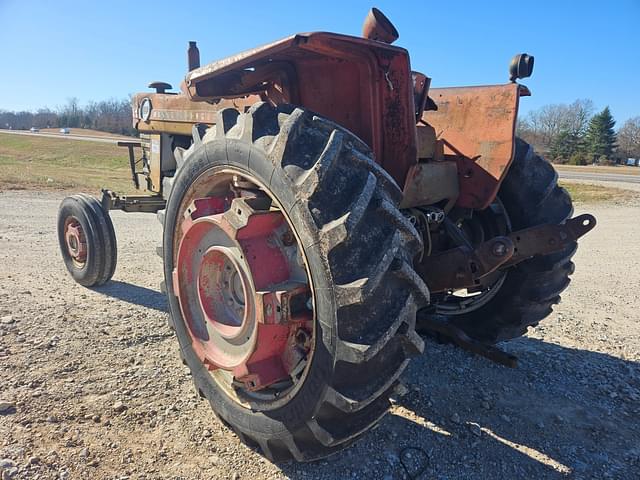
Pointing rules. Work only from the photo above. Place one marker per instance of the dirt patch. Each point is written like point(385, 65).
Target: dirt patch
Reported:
point(94, 388)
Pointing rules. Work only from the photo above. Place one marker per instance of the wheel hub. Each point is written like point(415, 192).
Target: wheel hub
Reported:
point(75, 240)
point(243, 303)
point(489, 223)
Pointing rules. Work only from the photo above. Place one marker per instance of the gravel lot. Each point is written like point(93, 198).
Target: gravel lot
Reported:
point(91, 385)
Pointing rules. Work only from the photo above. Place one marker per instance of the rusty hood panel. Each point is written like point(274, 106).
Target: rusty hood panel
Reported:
point(363, 85)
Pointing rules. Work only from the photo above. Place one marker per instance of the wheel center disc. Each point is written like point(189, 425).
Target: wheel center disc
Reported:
point(222, 288)
point(76, 243)
point(243, 296)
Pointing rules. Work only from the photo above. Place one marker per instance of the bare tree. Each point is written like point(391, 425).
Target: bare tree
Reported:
point(541, 127)
point(629, 138)
point(577, 116)
point(112, 115)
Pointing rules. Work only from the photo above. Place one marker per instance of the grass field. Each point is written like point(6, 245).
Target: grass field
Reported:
point(588, 193)
point(619, 169)
point(49, 163)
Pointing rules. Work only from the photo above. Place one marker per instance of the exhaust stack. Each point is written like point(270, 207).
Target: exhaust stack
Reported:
point(378, 27)
point(193, 56)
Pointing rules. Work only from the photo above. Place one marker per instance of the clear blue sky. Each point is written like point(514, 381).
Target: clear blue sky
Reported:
point(93, 50)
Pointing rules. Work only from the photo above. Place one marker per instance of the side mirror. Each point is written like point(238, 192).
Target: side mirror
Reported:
point(521, 66)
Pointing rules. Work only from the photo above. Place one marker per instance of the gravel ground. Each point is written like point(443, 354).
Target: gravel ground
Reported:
point(91, 385)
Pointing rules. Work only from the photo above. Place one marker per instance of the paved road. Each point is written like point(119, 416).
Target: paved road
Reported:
point(67, 136)
point(603, 177)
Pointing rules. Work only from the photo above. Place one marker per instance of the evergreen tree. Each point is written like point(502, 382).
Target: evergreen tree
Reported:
point(601, 138)
point(566, 144)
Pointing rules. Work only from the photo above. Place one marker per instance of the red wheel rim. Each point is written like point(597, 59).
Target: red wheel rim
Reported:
point(244, 294)
point(75, 241)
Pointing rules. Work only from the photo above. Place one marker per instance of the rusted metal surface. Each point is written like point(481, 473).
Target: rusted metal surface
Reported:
point(548, 238)
point(176, 113)
point(378, 27)
point(365, 86)
point(132, 203)
point(75, 240)
point(438, 324)
point(476, 126)
point(464, 267)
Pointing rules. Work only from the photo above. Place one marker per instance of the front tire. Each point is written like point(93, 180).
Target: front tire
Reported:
point(87, 240)
point(359, 250)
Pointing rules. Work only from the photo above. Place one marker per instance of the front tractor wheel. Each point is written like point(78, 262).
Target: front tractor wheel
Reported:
point(87, 240)
point(289, 273)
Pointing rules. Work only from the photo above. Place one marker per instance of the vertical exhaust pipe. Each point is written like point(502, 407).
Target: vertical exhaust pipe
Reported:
point(193, 56)
point(378, 27)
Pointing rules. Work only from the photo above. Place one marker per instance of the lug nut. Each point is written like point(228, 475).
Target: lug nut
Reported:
point(499, 249)
point(288, 238)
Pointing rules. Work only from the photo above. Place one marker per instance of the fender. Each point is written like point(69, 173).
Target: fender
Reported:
point(475, 128)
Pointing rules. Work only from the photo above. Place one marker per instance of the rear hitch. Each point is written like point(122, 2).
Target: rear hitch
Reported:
point(437, 326)
point(465, 267)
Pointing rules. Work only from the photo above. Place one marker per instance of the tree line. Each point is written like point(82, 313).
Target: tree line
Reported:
point(573, 133)
point(113, 115)
point(565, 133)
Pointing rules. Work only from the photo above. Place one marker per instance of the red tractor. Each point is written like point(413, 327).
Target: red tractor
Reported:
point(319, 200)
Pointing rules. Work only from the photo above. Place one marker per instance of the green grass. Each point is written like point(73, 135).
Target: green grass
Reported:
point(63, 164)
point(588, 193)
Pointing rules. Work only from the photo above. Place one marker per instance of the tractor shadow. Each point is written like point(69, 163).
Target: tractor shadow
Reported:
point(134, 294)
point(562, 413)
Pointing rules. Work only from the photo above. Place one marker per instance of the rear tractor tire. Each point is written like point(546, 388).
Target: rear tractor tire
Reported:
point(278, 203)
point(526, 293)
point(87, 240)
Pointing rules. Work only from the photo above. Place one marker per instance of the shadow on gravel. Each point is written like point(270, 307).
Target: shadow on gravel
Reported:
point(135, 294)
point(563, 413)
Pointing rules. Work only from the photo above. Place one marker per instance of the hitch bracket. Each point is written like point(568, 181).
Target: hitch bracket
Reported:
point(464, 266)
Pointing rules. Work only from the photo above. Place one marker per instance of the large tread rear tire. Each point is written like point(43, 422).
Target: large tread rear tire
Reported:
point(531, 196)
point(359, 249)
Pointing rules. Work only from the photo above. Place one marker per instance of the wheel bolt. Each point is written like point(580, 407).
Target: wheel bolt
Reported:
point(288, 239)
point(499, 249)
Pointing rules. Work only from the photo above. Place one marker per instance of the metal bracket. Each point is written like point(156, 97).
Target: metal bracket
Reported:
point(548, 238)
point(132, 160)
point(132, 203)
point(438, 324)
point(464, 267)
